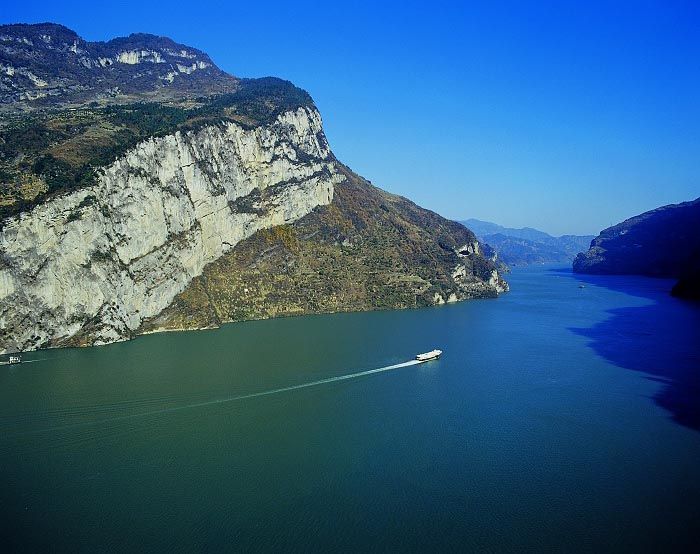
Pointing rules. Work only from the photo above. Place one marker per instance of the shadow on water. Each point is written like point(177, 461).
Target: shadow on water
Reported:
point(660, 338)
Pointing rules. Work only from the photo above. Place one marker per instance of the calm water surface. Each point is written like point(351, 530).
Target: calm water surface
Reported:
point(559, 419)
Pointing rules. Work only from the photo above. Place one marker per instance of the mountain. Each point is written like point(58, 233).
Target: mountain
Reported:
point(124, 219)
point(48, 65)
point(368, 249)
point(483, 228)
point(664, 242)
point(527, 245)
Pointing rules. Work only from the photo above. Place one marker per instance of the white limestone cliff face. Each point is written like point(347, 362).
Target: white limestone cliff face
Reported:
point(11, 71)
point(133, 57)
point(95, 263)
point(470, 285)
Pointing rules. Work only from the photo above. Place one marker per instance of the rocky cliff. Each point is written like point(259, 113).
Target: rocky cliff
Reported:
point(125, 220)
point(664, 242)
point(366, 250)
point(98, 261)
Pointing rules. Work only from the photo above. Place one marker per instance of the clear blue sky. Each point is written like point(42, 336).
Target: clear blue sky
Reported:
point(566, 116)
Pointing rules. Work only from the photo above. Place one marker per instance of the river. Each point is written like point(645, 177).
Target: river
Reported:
point(559, 418)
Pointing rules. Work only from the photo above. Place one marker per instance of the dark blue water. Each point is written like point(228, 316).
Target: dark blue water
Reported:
point(559, 419)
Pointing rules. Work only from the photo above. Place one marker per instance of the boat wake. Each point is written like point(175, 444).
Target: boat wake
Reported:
point(226, 400)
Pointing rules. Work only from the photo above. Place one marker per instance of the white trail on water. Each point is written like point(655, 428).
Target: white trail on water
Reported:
point(214, 402)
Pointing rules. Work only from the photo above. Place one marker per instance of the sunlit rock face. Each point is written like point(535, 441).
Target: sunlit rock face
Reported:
point(143, 189)
point(95, 263)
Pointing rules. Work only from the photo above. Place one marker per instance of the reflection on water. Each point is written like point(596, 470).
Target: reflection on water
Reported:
point(660, 338)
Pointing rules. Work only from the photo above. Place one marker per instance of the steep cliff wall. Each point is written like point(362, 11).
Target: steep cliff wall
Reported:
point(180, 197)
point(366, 250)
point(664, 242)
point(91, 265)
point(660, 243)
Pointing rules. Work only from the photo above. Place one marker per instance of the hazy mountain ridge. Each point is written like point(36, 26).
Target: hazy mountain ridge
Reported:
point(527, 245)
point(664, 242)
point(126, 219)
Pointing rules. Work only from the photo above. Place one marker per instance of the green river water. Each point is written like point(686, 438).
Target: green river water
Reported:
point(559, 419)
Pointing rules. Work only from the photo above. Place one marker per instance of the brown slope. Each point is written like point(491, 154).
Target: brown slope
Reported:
point(367, 250)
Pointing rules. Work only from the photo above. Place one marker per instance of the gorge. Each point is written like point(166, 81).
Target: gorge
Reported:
point(123, 215)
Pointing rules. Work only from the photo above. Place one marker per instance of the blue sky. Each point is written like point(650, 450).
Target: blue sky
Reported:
point(565, 116)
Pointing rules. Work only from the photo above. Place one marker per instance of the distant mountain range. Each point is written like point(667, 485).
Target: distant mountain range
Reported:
point(664, 242)
point(525, 246)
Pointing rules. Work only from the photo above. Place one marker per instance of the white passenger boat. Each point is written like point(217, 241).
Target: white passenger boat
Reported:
point(427, 356)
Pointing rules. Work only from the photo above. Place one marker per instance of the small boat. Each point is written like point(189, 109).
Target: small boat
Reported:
point(427, 356)
point(12, 360)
